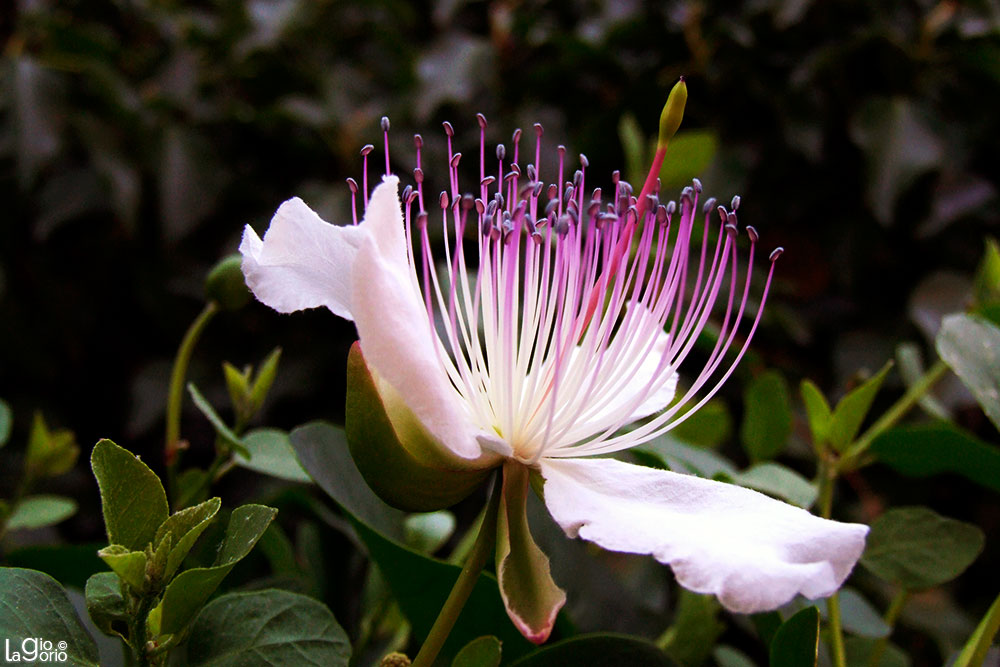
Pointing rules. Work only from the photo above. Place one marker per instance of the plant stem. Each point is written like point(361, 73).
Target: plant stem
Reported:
point(137, 630)
point(893, 414)
point(828, 473)
point(891, 616)
point(466, 581)
point(175, 396)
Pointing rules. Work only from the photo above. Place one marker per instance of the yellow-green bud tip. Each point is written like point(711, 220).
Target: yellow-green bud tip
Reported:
point(673, 112)
point(395, 660)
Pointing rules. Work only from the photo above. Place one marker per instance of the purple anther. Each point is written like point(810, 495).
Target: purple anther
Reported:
point(468, 201)
point(487, 225)
point(480, 206)
point(515, 169)
point(536, 237)
point(696, 184)
point(448, 129)
point(553, 191)
point(568, 194)
point(671, 207)
point(709, 205)
point(422, 219)
point(687, 193)
point(723, 214)
point(584, 161)
point(626, 188)
point(538, 129)
point(384, 123)
point(538, 189)
point(353, 185)
point(731, 218)
point(653, 200)
point(562, 225)
point(406, 193)
point(418, 141)
point(531, 172)
point(443, 199)
point(366, 149)
point(661, 214)
point(561, 150)
point(501, 152)
point(455, 160)
point(776, 253)
point(733, 231)
point(658, 186)
point(414, 195)
point(735, 204)
point(510, 175)
point(516, 137)
point(605, 218)
point(596, 194)
point(418, 174)
point(594, 207)
point(491, 208)
point(632, 214)
point(752, 233)
point(487, 181)
point(482, 121)
point(551, 206)
point(616, 176)
point(577, 178)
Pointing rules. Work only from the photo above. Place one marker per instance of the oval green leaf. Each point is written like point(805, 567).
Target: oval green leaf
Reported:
point(41, 510)
point(598, 650)
point(918, 548)
point(271, 453)
point(971, 347)
point(132, 498)
point(481, 652)
point(767, 416)
point(796, 643)
point(270, 627)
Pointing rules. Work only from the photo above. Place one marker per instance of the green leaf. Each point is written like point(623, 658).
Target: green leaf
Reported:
point(192, 487)
point(185, 527)
point(817, 410)
point(777, 480)
point(322, 450)
point(931, 449)
point(796, 643)
point(238, 386)
point(220, 427)
point(420, 584)
point(918, 548)
point(428, 532)
point(696, 627)
point(129, 565)
point(634, 147)
point(971, 347)
point(852, 409)
point(269, 627)
point(857, 615)
point(974, 652)
point(709, 426)
point(105, 603)
point(858, 651)
point(727, 656)
point(265, 378)
point(689, 154)
point(767, 416)
point(271, 453)
point(911, 370)
point(34, 605)
point(481, 652)
point(598, 650)
point(191, 588)
point(987, 285)
point(676, 455)
point(6, 422)
point(41, 510)
point(132, 498)
point(50, 453)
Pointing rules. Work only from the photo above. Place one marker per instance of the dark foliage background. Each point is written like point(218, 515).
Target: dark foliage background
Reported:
point(138, 137)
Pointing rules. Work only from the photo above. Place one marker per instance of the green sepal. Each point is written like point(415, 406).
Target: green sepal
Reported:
point(383, 448)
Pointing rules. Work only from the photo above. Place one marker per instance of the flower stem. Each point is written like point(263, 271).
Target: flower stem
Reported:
point(137, 630)
point(891, 416)
point(827, 480)
point(891, 616)
point(175, 396)
point(466, 581)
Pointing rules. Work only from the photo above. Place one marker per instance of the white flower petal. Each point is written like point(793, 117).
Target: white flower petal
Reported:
point(303, 261)
point(396, 338)
point(753, 552)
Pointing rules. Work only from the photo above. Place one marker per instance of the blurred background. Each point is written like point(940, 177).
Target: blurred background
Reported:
point(138, 137)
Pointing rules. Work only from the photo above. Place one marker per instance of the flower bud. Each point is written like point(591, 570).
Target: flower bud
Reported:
point(673, 112)
point(225, 284)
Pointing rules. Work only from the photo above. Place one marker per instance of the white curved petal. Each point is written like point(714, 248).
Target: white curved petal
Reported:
point(303, 261)
point(396, 340)
point(753, 552)
point(384, 221)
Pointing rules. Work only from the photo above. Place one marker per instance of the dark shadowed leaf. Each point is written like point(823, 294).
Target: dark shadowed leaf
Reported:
point(221, 429)
point(270, 627)
point(971, 347)
point(481, 652)
point(859, 649)
point(696, 627)
point(105, 603)
point(184, 528)
point(796, 643)
point(817, 411)
point(132, 497)
point(930, 449)
point(33, 604)
point(857, 615)
point(918, 548)
point(6, 421)
point(598, 650)
point(767, 416)
point(852, 409)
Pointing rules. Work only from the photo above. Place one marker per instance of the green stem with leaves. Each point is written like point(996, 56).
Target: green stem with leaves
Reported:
point(891, 616)
point(137, 630)
point(827, 480)
point(465, 583)
point(175, 395)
